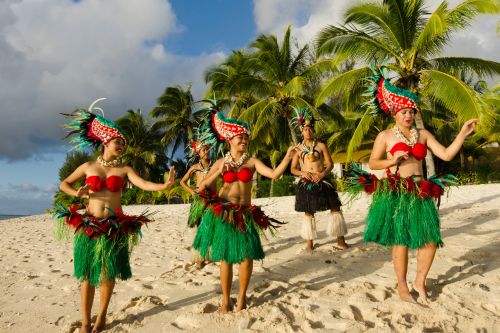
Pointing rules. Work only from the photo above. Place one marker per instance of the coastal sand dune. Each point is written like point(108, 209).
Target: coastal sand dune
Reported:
point(290, 291)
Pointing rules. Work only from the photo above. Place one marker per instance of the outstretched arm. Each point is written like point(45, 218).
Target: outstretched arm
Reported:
point(266, 171)
point(186, 177)
point(448, 153)
point(147, 185)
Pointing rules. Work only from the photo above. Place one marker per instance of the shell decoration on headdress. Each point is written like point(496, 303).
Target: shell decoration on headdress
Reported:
point(386, 98)
point(91, 129)
point(215, 128)
point(303, 117)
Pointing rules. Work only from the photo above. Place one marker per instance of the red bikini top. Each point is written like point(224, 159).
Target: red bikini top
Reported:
point(112, 183)
point(418, 151)
point(245, 175)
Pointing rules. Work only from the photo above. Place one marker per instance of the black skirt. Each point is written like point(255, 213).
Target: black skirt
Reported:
point(313, 197)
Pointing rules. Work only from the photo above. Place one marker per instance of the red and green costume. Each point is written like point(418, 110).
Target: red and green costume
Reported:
point(402, 211)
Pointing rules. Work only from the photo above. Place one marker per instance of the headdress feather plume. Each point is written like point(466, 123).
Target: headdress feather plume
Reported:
point(89, 129)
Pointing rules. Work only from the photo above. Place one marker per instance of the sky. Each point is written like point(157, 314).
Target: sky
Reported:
point(58, 55)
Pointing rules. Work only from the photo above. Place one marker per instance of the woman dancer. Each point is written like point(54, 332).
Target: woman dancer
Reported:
point(402, 213)
point(230, 227)
point(200, 171)
point(104, 236)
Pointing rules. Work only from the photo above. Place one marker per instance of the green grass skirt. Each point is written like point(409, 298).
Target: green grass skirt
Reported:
point(101, 247)
point(402, 218)
point(96, 259)
point(195, 212)
point(220, 240)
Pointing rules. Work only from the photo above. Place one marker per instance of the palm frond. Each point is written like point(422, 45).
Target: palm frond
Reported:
point(373, 18)
point(433, 37)
point(466, 66)
point(355, 43)
point(451, 92)
point(363, 127)
point(342, 84)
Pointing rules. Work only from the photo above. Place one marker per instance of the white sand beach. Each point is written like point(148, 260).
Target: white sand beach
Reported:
point(327, 291)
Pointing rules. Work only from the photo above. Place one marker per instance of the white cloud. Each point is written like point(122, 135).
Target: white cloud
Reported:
point(57, 55)
point(309, 17)
point(26, 198)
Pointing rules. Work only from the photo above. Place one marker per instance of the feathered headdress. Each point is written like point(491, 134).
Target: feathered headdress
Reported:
point(215, 128)
point(193, 148)
point(386, 98)
point(91, 129)
point(303, 117)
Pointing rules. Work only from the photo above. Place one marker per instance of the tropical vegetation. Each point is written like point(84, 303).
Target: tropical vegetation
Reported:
point(264, 82)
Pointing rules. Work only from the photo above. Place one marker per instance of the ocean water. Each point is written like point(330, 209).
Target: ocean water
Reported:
point(5, 217)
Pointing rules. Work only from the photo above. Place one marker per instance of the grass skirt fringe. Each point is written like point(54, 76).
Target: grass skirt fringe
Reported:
point(219, 240)
point(195, 212)
point(101, 259)
point(102, 247)
point(313, 197)
point(230, 232)
point(402, 219)
point(402, 211)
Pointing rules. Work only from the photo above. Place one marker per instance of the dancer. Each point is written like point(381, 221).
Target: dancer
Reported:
point(316, 191)
point(402, 213)
point(230, 227)
point(104, 236)
point(200, 171)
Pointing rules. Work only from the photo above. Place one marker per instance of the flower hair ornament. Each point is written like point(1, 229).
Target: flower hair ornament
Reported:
point(91, 129)
point(386, 98)
point(215, 128)
point(303, 118)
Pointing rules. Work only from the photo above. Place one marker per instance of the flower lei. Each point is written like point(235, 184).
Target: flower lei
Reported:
point(110, 164)
point(235, 164)
point(413, 136)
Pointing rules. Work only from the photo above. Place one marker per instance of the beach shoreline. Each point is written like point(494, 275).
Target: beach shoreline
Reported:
point(328, 291)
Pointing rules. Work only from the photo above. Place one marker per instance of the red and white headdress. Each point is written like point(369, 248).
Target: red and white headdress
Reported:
point(91, 129)
point(387, 98)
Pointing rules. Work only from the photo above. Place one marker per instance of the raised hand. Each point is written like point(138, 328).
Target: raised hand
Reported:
point(292, 150)
point(224, 167)
point(171, 176)
point(83, 191)
point(469, 126)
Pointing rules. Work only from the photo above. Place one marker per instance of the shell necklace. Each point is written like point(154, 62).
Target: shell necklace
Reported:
point(109, 164)
point(413, 136)
point(228, 159)
point(205, 170)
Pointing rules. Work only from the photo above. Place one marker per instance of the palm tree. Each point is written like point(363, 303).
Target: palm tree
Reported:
point(264, 84)
point(406, 38)
point(144, 150)
point(174, 114)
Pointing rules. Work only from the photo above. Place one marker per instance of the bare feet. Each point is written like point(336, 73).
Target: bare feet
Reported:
point(405, 295)
point(99, 325)
point(422, 292)
point(225, 308)
point(341, 244)
point(241, 304)
point(85, 328)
